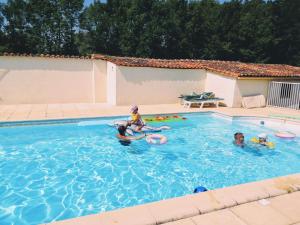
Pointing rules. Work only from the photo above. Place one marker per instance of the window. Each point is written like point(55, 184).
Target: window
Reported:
point(285, 90)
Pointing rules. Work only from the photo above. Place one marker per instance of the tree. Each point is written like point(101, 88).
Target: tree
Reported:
point(256, 38)
point(286, 16)
point(94, 33)
point(16, 26)
point(228, 29)
point(53, 25)
point(202, 30)
point(2, 34)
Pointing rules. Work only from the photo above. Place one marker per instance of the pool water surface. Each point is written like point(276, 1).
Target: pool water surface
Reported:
point(57, 171)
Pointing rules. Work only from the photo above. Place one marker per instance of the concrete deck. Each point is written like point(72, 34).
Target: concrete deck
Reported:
point(81, 110)
point(269, 202)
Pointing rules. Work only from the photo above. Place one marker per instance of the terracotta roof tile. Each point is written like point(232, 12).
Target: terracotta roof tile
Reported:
point(44, 55)
point(228, 68)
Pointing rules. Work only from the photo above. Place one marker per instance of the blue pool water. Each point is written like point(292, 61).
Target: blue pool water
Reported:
point(58, 171)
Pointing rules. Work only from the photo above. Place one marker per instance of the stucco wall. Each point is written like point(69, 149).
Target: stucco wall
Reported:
point(144, 85)
point(33, 80)
point(111, 83)
point(100, 80)
point(223, 87)
point(248, 88)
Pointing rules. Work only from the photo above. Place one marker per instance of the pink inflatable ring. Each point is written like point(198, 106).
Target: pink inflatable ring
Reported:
point(156, 139)
point(284, 134)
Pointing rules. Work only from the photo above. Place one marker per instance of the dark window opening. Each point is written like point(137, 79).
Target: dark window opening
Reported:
point(286, 90)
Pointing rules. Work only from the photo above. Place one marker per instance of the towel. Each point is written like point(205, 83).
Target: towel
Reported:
point(257, 101)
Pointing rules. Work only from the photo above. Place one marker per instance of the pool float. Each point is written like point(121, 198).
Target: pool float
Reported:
point(285, 134)
point(156, 139)
point(121, 123)
point(159, 118)
point(149, 128)
point(200, 189)
point(268, 144)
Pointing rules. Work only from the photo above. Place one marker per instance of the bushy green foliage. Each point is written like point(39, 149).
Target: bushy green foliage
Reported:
point(246, 30)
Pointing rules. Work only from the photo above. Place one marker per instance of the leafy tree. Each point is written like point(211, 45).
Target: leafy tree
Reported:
point(265, 31)
point(286, 16)
point(174, 42)
point(2, 34)
point(53, 25)
point(228, 29)
point(94, 34)
point(202, 29)
point(256, 38)
point(16, 26)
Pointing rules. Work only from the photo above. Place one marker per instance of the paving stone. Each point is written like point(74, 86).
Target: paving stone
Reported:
point(137, 215)
point(172, 209)
point(181, 222)
point(221, 217)
point(84, 220)
point(246, 192)
point(206, 202)
point(256, 214)
point(288, 205)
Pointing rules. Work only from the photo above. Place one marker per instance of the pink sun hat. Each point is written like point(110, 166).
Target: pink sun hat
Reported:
point(134, 108)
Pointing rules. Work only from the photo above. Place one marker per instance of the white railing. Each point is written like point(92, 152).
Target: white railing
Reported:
point(284, 94)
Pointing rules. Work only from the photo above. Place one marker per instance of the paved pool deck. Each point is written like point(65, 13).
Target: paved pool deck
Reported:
point(268, 202)
point(82, 110)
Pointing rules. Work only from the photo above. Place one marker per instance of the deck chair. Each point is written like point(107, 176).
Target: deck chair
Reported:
point(201, 102)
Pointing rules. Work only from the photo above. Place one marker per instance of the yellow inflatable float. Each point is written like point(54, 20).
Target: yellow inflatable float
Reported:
point(269, 144)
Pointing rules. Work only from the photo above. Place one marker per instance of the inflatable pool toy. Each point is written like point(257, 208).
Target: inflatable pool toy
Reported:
point(285, 134)
point(149, 128)
point(200, 189)
point(268, 144)
point(133, 128)
point(158, 118)
point(156, 139)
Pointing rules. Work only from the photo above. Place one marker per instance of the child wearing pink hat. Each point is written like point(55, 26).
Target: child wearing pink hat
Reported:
point(136, 118)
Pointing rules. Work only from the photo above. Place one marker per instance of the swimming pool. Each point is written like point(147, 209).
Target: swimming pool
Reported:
point(68, 169)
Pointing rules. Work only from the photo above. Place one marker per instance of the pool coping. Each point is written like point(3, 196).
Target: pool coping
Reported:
point(192, 205)
point(80, 119)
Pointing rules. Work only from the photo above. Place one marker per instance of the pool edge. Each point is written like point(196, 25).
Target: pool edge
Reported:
point(188, 206)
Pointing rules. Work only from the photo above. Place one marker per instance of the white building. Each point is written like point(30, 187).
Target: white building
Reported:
point(123, 80)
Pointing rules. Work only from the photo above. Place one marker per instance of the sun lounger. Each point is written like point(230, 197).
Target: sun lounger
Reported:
point(195, 96)
point(201, 102)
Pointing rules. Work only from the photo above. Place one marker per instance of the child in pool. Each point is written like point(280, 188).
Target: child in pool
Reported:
point(122, 134)
point(136, 118)
point(263, 139)
point(239, 139)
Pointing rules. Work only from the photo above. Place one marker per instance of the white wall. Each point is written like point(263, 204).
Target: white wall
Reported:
point(232, 89)
point(111, 83)
point(222, 86)
point(30, 80)
point(145, 85)
point(100, 80)
point(248, 88)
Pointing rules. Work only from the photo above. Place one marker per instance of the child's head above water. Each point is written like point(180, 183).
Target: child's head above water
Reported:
point(262, 137)
point(122, 130)
point(239, 137)
point(134, 109)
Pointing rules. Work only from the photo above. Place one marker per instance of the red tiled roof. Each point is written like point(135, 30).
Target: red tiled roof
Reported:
point(228, 68)
point(44, 55)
